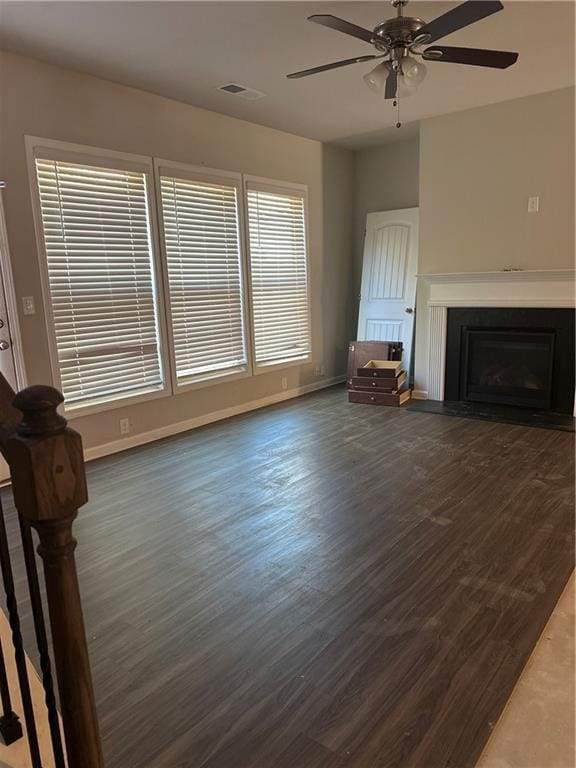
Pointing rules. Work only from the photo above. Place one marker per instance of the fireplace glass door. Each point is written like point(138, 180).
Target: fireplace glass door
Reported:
point(512, 367)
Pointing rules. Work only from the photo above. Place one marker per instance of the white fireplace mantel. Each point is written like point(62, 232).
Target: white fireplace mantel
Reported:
point(521, 288)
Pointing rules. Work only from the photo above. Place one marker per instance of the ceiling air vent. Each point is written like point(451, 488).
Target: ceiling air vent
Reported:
point(249, 94)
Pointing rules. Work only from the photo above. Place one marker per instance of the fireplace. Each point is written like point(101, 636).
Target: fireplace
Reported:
point(512, 367)
point(511, 356)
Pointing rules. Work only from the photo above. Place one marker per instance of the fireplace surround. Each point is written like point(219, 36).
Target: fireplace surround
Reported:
point(441, 296)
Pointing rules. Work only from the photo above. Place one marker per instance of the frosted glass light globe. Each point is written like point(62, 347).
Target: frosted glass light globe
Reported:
point(413, 72)
point(377, 77)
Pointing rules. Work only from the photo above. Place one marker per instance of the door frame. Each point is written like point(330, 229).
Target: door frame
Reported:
point(10, 298)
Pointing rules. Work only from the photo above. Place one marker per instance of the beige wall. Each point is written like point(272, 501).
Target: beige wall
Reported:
point(42, 100)
point(477, 170)
point(385, 179)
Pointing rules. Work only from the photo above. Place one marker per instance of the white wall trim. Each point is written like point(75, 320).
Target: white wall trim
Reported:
point(515, 275)
point(419, 394)
point(466, 302)
point(142, 438)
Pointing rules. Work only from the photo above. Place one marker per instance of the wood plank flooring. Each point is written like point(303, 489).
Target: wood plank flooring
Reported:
point(320, 585)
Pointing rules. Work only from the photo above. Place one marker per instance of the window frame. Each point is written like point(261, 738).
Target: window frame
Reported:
point(79, 153)
point(288, 188)
point(208, 175)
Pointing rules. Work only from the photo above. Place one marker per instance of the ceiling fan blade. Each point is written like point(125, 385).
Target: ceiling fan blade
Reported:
point(459, 17)
point(477, 57)
point(327, 20)
point(391, 85)
point(325, 67)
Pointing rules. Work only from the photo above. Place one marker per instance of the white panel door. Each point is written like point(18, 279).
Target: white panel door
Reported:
point(388, 296)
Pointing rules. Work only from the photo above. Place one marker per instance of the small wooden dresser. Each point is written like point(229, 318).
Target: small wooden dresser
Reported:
point(375, 387)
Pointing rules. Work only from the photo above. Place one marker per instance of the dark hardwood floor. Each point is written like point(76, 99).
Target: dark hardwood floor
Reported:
point(320, 585)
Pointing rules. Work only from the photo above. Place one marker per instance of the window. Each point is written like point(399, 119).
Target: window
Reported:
point(100, 278)
point(278, 273)
point(204, 270)
point(129, 320)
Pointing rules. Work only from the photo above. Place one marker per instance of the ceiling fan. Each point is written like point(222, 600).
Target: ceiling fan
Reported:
point(401, 38)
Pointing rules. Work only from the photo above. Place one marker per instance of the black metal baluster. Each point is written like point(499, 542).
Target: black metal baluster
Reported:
point(19, 655)
point(42, 642)
point(10, 727)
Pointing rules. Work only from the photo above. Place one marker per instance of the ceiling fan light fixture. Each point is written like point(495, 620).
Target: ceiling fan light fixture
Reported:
point(396, 39)
point(377, 77)
point(413, 72)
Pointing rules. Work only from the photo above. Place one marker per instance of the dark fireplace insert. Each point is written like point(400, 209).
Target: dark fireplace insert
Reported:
point(511, 356)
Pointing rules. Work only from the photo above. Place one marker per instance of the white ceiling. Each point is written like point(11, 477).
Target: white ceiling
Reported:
point(183, 50)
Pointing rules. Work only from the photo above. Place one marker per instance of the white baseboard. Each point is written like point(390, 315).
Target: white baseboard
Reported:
point(133, 441)
point(420, 394)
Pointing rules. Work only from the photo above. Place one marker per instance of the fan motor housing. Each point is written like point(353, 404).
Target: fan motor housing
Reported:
point(396, 32)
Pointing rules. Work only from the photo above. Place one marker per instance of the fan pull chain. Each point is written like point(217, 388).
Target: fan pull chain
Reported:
point(396, 103)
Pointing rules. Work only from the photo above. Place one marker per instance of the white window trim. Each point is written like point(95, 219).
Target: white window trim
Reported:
point(288, 188)
point(203, 174)
point(80, 153)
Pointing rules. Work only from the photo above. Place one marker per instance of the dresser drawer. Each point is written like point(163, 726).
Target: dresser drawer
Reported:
point(363, 382)
point(375, 373)
point(379, 398)
point(370, 398)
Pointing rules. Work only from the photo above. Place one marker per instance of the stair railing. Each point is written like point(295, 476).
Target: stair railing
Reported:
point(49, 485)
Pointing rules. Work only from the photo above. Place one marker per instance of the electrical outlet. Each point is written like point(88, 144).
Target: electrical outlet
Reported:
point(316, 371)
point(284, 382)
point(533, 204)
point(28, 305)
point(124, 426)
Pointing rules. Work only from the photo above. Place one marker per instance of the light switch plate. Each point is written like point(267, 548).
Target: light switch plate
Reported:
point(533, 204)
point(28, 305)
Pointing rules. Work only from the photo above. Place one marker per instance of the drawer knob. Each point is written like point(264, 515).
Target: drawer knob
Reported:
point(372, 397)
point(373, 383)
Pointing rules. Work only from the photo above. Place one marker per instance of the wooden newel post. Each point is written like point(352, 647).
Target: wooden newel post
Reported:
point(49, 484)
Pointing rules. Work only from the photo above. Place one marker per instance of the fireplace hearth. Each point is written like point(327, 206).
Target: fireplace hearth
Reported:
point(511, 356)
point(506, 414)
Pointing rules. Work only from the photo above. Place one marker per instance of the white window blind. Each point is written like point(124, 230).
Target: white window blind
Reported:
point(202, 242)
point(278, 273)
point(101, 280)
